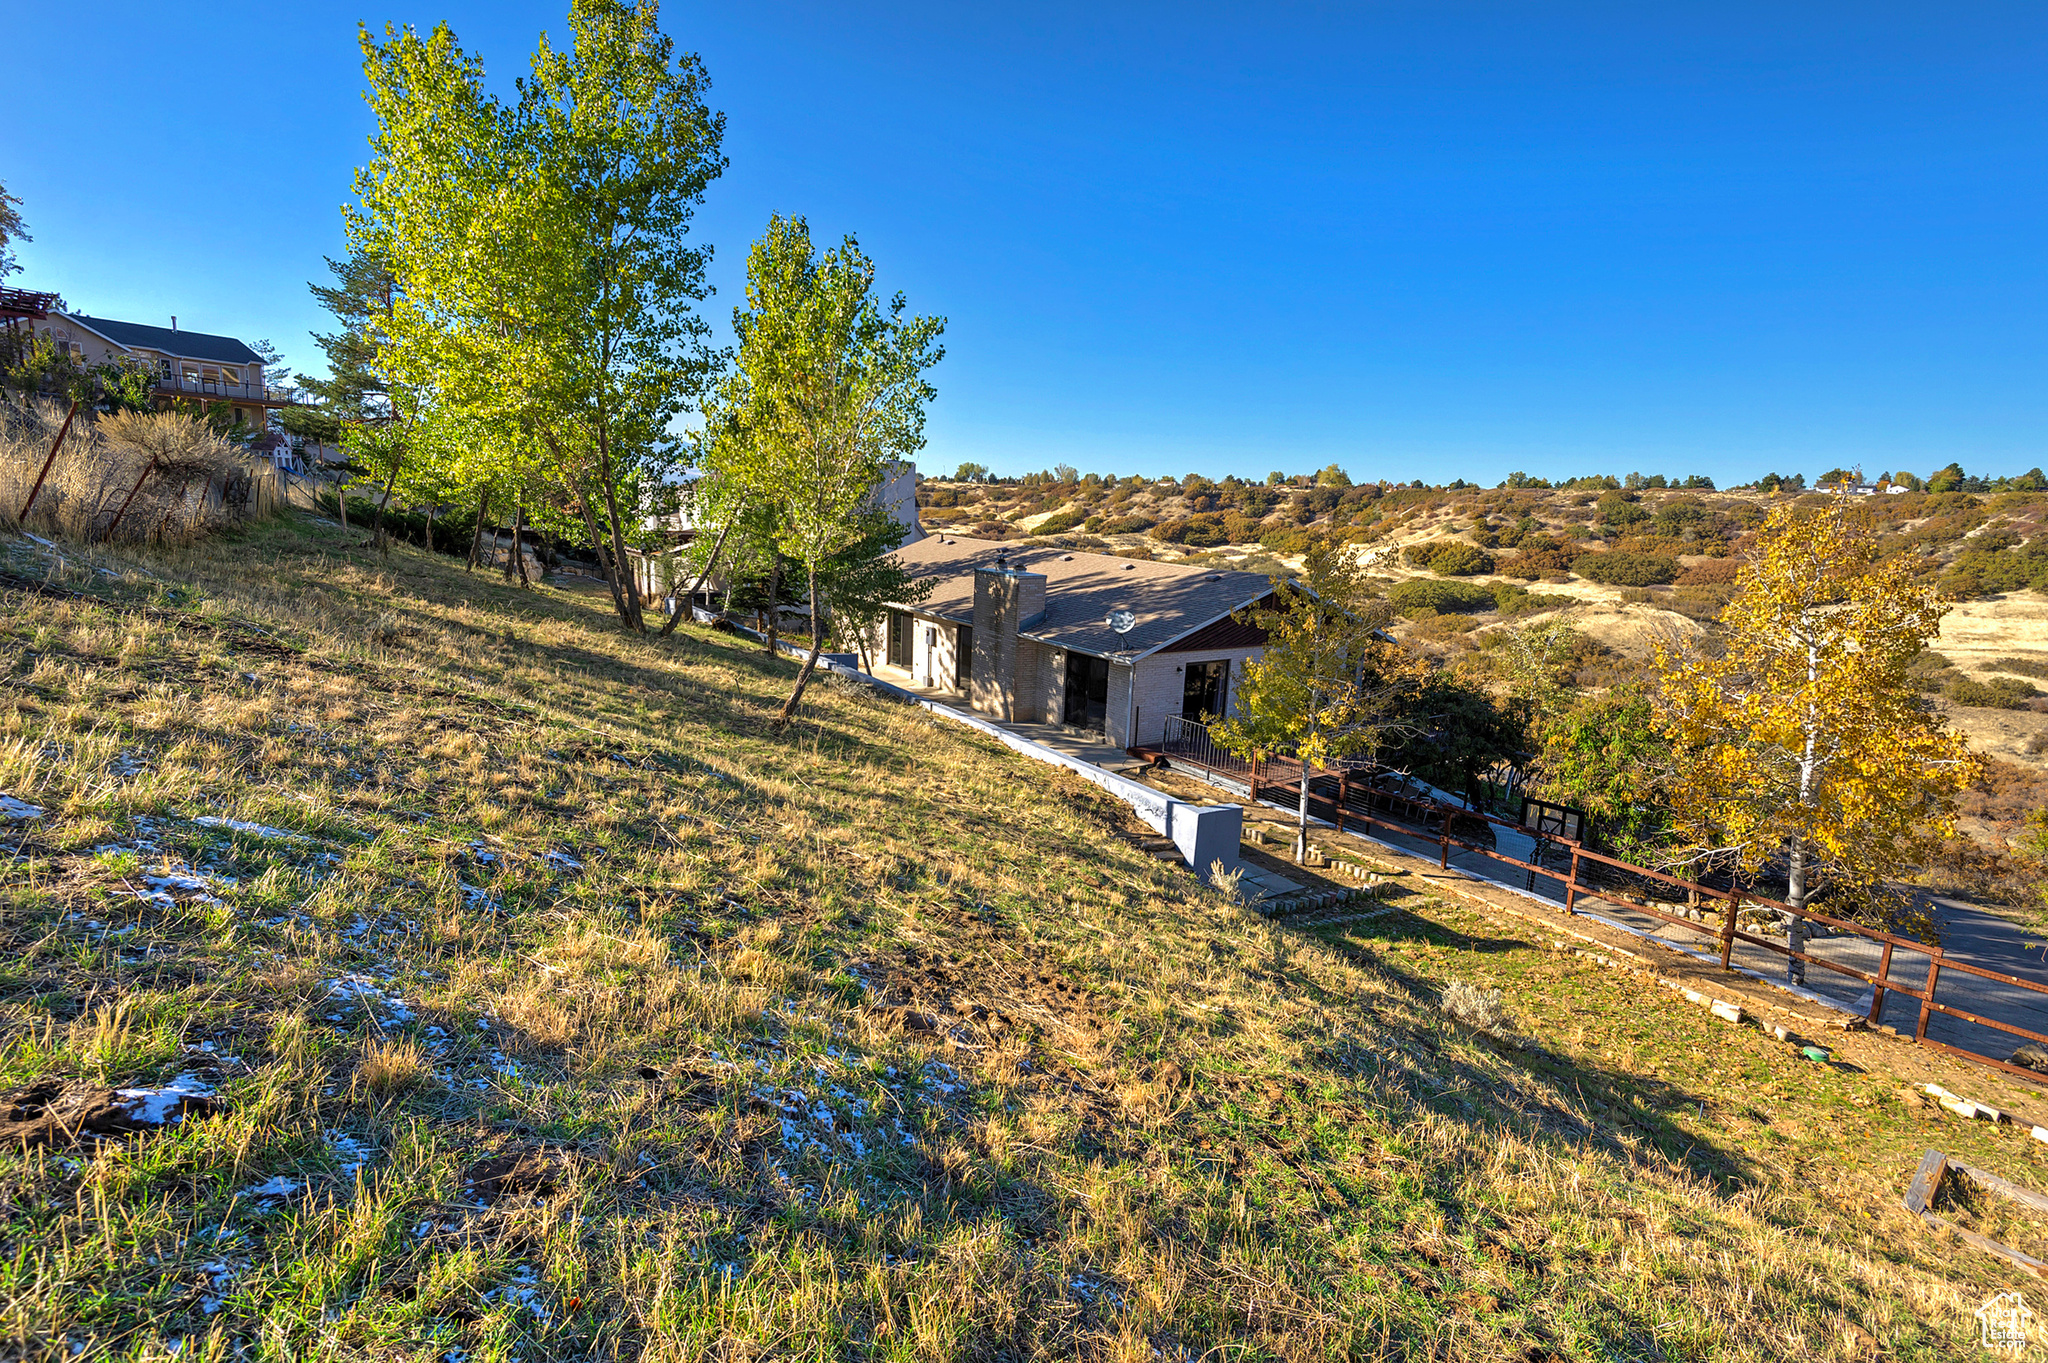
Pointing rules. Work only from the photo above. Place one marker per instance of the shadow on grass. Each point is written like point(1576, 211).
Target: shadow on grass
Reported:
point(1625, 1103)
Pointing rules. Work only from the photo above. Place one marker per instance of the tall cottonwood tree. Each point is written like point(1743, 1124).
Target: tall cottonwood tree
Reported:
point(1329, 683)
point(540, 247)
point(1806, 738)
point(830, 387)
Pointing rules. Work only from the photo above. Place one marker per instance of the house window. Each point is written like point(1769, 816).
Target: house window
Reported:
point(963, 652)
point(899, 640)
point(1205, 690)
point(1087, 699)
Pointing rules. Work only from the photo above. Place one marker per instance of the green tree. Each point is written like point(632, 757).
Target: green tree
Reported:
point(540, 249)
point(1333, 477)
point(1329, 683)
point(831, 388)
point(357, 386)
point(971, 473)
point(1458, 732)
point(11, 231)
point(1605, 753)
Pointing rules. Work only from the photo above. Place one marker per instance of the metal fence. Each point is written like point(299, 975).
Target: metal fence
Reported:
point(1949, 996)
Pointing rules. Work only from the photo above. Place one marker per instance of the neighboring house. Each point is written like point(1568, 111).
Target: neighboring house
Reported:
point(1024, 634)
point(897, 492)
point(186, 364)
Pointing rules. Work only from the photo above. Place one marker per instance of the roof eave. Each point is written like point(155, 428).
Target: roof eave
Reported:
point(1166, 643)
point(87, 326)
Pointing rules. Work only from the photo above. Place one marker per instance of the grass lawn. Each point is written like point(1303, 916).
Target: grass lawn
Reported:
point(519, 993)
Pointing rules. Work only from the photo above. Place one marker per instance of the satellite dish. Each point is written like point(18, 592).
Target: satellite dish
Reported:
point(1123, 622)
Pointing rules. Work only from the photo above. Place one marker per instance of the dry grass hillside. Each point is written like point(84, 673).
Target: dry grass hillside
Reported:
point(403, 966)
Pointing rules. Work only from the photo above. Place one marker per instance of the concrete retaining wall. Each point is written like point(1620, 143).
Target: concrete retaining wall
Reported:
point(1205, 834)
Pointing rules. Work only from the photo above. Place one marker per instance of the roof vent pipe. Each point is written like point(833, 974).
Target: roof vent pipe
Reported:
point(174, 321)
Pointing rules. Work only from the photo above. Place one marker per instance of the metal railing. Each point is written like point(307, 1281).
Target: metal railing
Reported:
point(1948, 995)
point(182, 385)
point(1189, 740)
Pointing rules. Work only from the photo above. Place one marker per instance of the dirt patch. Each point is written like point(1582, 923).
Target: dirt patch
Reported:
point(2017, 736)
point(530, 1171)
point(1635, 632)
point(58, 1112)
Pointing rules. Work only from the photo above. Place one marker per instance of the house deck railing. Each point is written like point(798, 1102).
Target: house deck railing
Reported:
point(1377, 803)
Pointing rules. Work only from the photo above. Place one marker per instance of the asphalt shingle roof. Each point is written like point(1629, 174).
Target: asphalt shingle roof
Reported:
point(1081, 589)
point(186, 345)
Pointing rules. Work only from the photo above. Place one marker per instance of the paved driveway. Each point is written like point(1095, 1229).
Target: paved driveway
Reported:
point(1968, 934)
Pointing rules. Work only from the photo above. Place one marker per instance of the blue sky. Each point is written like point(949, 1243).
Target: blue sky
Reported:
point(1425, 239)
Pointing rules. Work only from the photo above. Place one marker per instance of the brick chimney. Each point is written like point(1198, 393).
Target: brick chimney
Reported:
point(1006, 600)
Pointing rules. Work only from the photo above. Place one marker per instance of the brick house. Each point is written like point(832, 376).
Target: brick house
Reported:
point(1025, 634)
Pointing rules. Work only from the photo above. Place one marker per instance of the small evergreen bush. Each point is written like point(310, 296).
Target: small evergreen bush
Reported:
point(1434, 594)
point(1626, 570)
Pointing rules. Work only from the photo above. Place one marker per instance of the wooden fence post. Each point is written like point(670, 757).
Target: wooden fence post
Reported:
point(1927, 999)
point(1728, 928)
point(1571, 884)
point(1884, 972)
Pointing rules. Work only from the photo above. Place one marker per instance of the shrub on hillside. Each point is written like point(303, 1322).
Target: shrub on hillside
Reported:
point(1059, 523)
point(1285, 540)
point(1240, 529)
point(1435, 594)
point(1442, 627)
point(1514, 601)
point(1702, 603)
point(1541, 555)
point(1996, 563)
point(1999, 693)
point(1710, 572)
point(1125, 525)
point(1459, 559)
point(1626, 570)
point(1204, 531)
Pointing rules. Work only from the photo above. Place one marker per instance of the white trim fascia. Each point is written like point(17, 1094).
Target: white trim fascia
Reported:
point(121, 346)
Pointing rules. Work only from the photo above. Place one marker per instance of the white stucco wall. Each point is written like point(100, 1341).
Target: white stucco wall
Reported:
point(944, 660)
point(935, 653)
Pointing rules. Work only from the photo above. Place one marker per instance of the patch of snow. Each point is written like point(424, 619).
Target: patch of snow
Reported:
point(18, 811)
point(157, 1106)
point(480, 899)
point(281, 1187)
point(352, 1152)
point(521, 1289)
point(562, 861)
point(258, 830)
